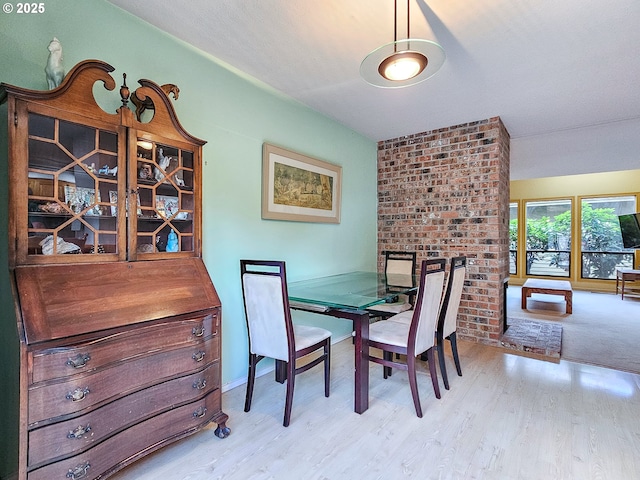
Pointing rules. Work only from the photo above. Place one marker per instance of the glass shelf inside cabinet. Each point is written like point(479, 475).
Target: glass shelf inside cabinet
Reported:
point(166, 198)
point(72, 170)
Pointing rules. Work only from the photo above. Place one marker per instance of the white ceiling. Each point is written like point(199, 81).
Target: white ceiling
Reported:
point(543, 66)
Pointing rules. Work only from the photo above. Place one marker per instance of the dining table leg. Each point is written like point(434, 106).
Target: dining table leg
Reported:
point(361, 401)
point(360, 321)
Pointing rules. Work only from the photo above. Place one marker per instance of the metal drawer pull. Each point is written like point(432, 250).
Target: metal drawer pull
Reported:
point(198, 356)
point(79, 432)
point(78, 394)
point(200, 384)
point(200, 412)
point(79, 472)
point(198, 331)
point(79, 361)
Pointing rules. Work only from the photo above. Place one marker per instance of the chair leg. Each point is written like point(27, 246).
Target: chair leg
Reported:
point(327, 367)
point(443, 366)
point(386, 371)
point(291, 379)
point(432, 371)
point(454, 349)
point(251, 377)
point(413, 383)
point(281, 371)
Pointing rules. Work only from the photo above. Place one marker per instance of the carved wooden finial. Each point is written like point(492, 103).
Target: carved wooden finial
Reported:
point(143, 104)
point(124, 91)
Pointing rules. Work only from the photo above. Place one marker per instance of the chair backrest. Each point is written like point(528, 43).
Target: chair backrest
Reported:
point(399, 267)
point(266, 305)
point(422, 332)
point(447, 322)
point(400, 262)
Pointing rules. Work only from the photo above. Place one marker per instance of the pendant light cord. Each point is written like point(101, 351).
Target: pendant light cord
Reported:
point(408, 20)
point(395, 24)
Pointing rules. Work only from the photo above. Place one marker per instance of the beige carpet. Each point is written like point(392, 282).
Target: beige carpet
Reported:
point(603, 330)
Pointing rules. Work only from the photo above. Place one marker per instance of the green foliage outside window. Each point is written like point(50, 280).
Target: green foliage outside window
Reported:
point(546, 233)
point(600, 234)
point(513, 234)
point(538, 233)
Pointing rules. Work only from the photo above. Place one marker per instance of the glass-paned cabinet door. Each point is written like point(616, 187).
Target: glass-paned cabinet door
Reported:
point(165, 197)
point(72, 177)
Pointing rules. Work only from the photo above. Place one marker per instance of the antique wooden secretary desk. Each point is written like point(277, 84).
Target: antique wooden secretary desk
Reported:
point(118, 320)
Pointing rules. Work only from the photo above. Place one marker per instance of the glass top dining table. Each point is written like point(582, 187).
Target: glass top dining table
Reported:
point(347, 296)
point(353, 290)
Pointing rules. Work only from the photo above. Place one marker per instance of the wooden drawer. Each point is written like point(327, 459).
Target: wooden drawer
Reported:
point(55, 363)
point(56, 441)
point(127, 446)
point(80, 393)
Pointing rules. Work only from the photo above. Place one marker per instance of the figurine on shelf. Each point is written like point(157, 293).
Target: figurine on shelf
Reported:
point(51, 207)
point(163, 163)
point(161, 245)
point(146, 248)
point(61, 246)
point(145, 173)
point(105, 170)
point(172, 242)
point(54, 69)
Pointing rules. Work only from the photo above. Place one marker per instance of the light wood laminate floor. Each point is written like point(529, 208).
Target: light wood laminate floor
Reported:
point(507, 417)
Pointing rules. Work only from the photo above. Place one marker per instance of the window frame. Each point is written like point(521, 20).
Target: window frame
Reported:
point(580, 252)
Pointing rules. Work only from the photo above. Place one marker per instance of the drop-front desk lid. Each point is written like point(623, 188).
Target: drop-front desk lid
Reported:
point(59, 301)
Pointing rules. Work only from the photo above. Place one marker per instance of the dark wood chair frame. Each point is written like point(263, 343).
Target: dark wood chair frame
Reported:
point(284, 370)
point(428, 267)
point(456, 264)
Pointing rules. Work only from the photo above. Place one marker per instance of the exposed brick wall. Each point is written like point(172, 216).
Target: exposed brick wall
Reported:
point(445, 193)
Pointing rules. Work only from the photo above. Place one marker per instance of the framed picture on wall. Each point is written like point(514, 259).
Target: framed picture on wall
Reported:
point(299, 188)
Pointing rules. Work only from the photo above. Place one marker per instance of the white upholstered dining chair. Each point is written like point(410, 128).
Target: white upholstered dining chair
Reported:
point(399, 269)
point(412, 332)
point(272, 333)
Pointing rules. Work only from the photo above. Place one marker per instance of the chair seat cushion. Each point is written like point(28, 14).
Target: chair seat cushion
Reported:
point(392, 333)
point(307, 336)
point(403, 317)
point(394, 307)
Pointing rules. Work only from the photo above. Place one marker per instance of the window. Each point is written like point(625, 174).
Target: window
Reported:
point(601, 245)
point(548, 238)
point(513, 238)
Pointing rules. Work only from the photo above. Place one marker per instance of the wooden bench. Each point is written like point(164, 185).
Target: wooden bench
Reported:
point(549, 287)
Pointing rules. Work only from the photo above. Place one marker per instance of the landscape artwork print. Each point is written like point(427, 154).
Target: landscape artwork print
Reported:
point(299, 188)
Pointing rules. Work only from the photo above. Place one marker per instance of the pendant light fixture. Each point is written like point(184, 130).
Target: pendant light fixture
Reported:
point(402, 62)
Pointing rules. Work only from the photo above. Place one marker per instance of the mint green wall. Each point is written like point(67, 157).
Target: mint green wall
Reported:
point(235, 115)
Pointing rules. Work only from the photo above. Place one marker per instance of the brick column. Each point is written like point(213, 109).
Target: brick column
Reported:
point(445, 193)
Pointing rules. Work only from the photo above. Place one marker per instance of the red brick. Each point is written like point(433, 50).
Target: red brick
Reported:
point(445, 193)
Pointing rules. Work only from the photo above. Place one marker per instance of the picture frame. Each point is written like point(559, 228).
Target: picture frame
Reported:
point(166, 206)
point(113, 200)
point(79, 198)
point(299, 188)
